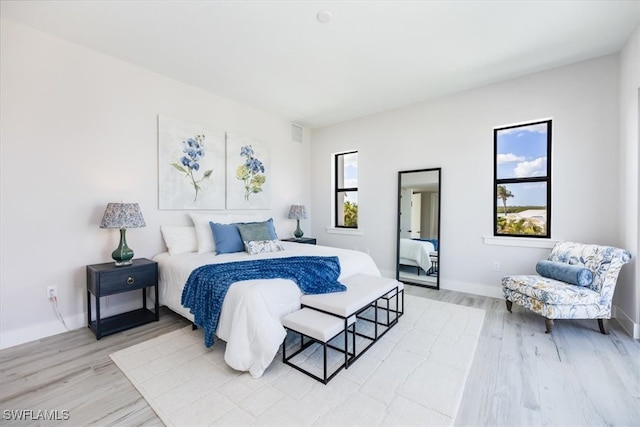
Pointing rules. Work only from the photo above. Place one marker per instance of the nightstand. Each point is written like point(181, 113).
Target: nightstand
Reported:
point(107, 279)
point(307, 240)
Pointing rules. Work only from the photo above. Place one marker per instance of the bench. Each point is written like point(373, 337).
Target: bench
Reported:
point(339, 308)
point(320, 328)
point(399, 295)
point(363, 291)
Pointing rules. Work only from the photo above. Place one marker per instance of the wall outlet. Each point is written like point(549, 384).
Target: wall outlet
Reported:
point(496, 266)
point(52, 292)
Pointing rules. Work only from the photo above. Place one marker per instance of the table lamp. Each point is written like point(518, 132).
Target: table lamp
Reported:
point(298, 212)
point(122, 216)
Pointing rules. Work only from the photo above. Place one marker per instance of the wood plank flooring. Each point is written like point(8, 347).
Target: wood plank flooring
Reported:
point(520, 375)
point(523, 377)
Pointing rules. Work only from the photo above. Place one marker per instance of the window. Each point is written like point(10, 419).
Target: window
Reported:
point(522, 172)
point(346, 190)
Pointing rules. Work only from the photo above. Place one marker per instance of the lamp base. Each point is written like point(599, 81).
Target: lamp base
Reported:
point(123, 255)
point(298, 233)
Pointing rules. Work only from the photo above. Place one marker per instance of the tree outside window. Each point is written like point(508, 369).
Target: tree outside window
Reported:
point(346, 190)
point(522, 180)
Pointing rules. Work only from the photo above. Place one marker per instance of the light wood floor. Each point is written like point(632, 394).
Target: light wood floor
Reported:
point(520, 375)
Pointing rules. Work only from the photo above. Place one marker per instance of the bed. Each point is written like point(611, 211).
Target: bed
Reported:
point(419, 254)
point(250, 319)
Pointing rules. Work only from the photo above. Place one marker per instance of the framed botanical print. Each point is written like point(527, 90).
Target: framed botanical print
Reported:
point(248, 173)
point(191, 166)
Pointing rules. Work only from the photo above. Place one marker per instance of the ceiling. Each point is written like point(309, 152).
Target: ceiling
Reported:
point(372, 56)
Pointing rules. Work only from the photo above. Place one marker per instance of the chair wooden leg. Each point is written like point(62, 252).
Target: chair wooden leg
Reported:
point(549, 324)
point(604, 326)
point(509, 305)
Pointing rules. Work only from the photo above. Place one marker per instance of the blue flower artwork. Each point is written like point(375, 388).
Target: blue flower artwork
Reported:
point(191, 166)
point(194, 151)
point(247, 173)
point(251, 173)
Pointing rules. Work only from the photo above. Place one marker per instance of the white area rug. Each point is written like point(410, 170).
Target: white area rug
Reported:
point(414, 375)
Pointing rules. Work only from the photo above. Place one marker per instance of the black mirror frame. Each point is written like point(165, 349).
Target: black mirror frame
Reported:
point(400, 175)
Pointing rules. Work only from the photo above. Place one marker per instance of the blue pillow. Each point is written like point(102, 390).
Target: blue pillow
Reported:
point(565, 272)
point(271, 228)
point(228, 238)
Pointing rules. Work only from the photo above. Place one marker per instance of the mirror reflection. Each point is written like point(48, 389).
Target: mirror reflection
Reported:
point(418, 246)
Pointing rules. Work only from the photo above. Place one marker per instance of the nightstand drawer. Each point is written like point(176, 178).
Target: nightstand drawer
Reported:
point(107, 279)
point(128, 279)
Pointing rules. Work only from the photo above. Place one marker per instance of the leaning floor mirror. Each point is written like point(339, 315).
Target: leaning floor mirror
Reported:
point(418, 244)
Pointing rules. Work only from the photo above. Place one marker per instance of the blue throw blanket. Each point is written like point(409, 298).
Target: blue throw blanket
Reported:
point(207, 285)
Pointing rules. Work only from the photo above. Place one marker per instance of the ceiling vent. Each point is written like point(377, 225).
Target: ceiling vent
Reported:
point(296, 133)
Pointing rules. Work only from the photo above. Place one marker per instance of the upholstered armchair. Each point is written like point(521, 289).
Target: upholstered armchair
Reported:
point(556, 299)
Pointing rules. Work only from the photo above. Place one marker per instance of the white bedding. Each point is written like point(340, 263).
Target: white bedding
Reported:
point(251, 312)
point(416, 252)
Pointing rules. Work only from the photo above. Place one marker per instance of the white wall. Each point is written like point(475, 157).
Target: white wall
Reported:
point(79, 130)
point(627, 296)
point(455, 133)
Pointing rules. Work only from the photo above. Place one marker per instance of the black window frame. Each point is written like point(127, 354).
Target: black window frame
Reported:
point(338, 190)
point(504, 181)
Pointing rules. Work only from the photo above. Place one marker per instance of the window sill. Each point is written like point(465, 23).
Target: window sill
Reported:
point(345, 231)
point(525, 242)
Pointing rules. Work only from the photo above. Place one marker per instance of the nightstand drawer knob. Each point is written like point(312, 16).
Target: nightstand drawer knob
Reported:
point(130, 280)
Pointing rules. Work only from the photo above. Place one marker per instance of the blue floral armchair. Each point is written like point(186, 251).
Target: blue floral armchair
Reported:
point(554, 299)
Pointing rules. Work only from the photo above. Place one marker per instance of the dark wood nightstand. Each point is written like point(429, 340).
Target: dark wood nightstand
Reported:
point(107, 279)
point(307, 240)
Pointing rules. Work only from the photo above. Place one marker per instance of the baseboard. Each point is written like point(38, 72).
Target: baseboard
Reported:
point(626, 322)
point(492, 291)
point(55, 327)
point(41, 330)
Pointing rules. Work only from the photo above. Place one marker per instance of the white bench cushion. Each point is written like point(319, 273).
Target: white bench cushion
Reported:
point(362, 290)
point(314, 324)
point(393, 293)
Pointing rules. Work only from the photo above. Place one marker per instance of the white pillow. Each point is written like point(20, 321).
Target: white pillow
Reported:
point(203, 229)
point(179, 240)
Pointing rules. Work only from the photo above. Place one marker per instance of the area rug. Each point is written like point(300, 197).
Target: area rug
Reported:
point(414, 375)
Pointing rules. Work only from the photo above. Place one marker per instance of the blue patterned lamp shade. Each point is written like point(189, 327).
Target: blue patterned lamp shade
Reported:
point(298, 212)
point(122, 216)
